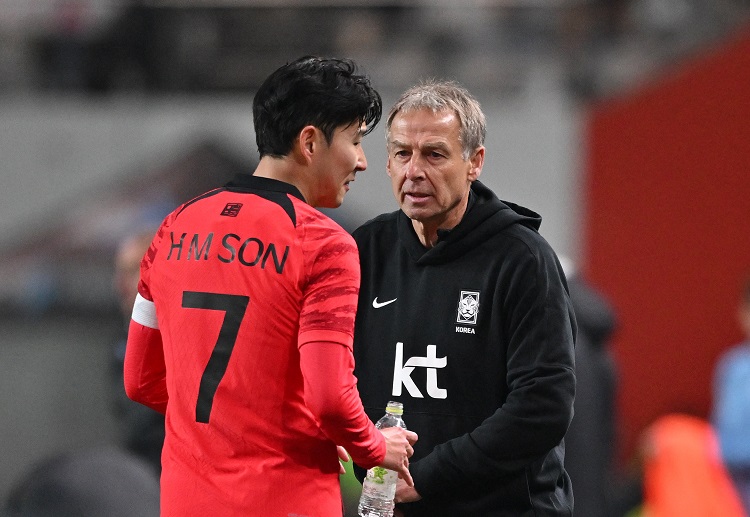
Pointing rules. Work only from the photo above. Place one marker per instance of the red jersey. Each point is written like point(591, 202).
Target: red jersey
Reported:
point(246, 294)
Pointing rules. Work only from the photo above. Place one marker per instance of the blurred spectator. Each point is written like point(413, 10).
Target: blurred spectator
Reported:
point(128, 269)
point(683, 472)
point(62, 52)
point(731, 412)
point(142, 428)
point(95, 483)
point(590, 441)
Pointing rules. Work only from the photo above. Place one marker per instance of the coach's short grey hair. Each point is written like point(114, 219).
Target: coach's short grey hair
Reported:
point(445, 95)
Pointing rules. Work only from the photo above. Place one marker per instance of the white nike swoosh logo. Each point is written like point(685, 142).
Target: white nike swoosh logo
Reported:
point(376, 304)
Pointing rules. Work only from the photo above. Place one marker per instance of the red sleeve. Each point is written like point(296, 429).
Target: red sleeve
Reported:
point(329, 305)
point(331, 394)
point(145, 372)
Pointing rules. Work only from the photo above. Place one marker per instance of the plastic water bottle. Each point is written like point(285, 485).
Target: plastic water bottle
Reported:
point(379, 487)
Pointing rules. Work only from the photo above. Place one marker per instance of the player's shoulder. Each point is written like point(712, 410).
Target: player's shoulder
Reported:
point(314, 224)
point(192, 209)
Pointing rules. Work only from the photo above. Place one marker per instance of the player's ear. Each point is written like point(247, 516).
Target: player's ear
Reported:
point(308, 140)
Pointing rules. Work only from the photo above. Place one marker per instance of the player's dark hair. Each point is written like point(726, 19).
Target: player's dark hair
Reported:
point(322, 92)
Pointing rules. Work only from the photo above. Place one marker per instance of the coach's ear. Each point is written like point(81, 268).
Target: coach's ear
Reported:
point(477, 162)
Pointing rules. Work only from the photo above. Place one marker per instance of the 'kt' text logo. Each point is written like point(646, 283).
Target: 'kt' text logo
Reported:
point(402, 373)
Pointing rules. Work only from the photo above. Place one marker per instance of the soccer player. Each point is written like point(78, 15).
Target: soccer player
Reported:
point(242, 328)
point(464, 316)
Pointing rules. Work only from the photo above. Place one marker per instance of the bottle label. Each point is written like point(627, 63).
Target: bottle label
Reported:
point(382, 482)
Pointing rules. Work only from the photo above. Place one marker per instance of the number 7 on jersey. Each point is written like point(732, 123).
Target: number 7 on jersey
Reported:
point(234, 307)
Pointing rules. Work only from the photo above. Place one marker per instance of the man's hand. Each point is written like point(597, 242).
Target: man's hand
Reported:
point(399, 448)
point(343, 457)
point(406, 493)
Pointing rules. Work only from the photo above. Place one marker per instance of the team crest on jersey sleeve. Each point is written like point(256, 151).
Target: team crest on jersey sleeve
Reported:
point(468, 308)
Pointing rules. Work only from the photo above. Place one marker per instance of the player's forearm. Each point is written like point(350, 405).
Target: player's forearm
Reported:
point(332, 396)
point(144, 371)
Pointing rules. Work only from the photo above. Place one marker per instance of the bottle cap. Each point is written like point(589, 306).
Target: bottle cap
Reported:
point(394, 408)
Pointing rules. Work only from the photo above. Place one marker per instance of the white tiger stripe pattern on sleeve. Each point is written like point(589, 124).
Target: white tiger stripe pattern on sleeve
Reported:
point(144, 312)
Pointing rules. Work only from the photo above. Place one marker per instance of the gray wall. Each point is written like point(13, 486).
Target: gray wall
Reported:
point(55, 390)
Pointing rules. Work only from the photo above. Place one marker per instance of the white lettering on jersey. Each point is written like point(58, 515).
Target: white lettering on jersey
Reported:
point(144, 312)
point(402, 373)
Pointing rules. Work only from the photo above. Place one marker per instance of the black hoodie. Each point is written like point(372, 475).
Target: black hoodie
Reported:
point(476, 338)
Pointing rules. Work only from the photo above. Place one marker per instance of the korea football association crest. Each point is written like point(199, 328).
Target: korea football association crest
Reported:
point(468, 308)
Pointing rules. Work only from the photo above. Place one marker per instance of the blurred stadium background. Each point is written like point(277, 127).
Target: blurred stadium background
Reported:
point(625, 123)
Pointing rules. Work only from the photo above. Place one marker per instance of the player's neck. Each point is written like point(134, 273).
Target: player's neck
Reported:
point(282, 169)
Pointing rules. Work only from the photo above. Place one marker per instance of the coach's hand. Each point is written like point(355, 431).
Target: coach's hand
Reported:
point(406, 493)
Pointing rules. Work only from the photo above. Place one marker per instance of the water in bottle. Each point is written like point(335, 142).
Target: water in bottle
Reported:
point(379, 487)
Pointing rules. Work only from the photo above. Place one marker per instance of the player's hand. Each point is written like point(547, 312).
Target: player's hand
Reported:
point(343, 457)
point(399, 448)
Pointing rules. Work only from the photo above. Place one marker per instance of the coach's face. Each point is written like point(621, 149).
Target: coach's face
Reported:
point(429, 174)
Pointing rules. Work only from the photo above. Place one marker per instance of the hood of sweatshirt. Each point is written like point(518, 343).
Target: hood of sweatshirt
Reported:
point(486, 216)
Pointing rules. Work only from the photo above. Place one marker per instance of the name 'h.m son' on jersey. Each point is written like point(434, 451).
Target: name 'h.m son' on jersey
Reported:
point(249, 251)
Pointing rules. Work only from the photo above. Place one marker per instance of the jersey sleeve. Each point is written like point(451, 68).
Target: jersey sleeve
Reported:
point(331, 394)
point(325, 339)
point(144, 369)
point(330, 296)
